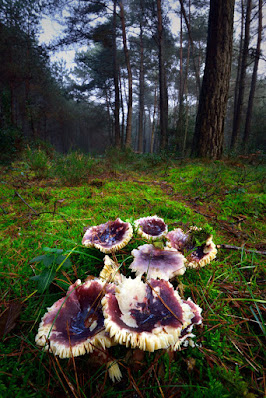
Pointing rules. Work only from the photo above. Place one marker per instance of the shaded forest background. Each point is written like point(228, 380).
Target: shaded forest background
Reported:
point(136, 83)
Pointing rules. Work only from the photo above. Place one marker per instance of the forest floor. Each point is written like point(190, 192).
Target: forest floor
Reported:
point(45, 216)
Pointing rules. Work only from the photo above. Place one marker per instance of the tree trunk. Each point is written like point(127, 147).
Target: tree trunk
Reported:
point(115, 71)
point(254, 79)
point(239, 63)
point(185, 91)
point(239, 107)
point(192, 44)
point(209, 129)
point(123, 112)
point(141, 83)
point(162, 81)
point(180, 123)
point(130, 91)
point(153, 121)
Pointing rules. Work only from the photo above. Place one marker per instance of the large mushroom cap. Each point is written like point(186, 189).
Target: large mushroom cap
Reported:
point(157, 263)
point(108, 237)
point(149, 316)
point(74, 324)
point(197, 254)
point(151, 227)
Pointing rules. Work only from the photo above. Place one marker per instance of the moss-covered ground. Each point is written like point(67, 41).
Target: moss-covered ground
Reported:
point(44, 213)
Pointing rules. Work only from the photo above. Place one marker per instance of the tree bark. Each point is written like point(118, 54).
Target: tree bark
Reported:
point(129, 72)
point(162, 81)
point(141, 82)
point(209, 129)
point(242, 82)
point(153, 121)
point(185, 91)
point(122, 132)
point(254, 79)
point(116, 84)
point(187, 21)
point(239, 63)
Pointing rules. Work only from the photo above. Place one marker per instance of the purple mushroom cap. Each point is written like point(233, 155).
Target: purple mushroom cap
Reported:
point(196, 256)
point(151, 227)
point(74, 324)
point(108, 237)
point(149, 316)
point(157, 263)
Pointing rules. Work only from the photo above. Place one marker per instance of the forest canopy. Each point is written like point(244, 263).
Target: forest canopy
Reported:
point(139, 80)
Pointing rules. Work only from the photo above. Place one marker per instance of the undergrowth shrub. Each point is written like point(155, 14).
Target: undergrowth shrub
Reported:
point(72, 168)
point(38, 161)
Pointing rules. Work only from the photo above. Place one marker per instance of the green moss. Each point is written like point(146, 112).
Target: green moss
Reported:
point(231, 202)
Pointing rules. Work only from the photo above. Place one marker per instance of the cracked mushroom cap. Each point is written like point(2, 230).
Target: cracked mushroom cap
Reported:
point(74, 325)
point(108, 237)
point(157, 263)
point(152, 227)
point(149, 316)
point(196, 255)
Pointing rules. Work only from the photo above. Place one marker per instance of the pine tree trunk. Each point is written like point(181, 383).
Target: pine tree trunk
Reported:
point(239, 63)
point(130, 91)
point(254, 79)
point(122, 132)
point(197, 73)
point(185, 91)
point(162, 81)
point(209, 129)
point(153, 121)
point(141, 83)
point(242, 82)
point(115, 71)
point(180, 123)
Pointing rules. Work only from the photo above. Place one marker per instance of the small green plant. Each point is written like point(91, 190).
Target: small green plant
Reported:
point(53, 260)
point(38, 162)
point(72, 168)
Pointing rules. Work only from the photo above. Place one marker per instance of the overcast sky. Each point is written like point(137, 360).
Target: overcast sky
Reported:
point(52, 29)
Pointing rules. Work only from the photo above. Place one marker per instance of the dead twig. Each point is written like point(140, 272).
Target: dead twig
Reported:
point(231, 247)
point(5, 212)
point(37, 214)
point(24, 201)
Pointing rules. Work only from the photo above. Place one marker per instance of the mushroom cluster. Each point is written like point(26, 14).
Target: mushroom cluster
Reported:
point(144, 312)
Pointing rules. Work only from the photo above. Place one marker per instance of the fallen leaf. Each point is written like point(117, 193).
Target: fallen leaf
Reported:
point(9, 317)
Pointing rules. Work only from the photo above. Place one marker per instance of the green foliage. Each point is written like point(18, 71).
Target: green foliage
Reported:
point(52, 261)
point(212, 195)
point(72, 168)
point(38, 161)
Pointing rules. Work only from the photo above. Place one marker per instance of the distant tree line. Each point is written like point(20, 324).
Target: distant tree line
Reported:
point(191, 88)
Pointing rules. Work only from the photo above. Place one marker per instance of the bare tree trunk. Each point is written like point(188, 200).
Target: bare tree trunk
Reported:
point(162, 81)
point(153, 121)
point(185, 91)
point(254, 79)
point(107, 99)
point(192, 44)
point(239, 62)
point(130, 92)
point(122, 111)
point(115, 71)
point(239, 108)
point(209, 129)
point(179, 126)
point(141, 83)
